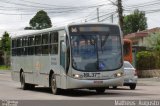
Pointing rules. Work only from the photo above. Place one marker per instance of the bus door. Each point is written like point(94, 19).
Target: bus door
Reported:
point(64, 57)
point(63, 63)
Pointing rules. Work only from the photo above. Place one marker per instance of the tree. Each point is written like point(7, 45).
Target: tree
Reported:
point(28, 28)
point(5, 42)
point(40, 21)
point(135, 22)
point(5, 46)
point(0, 45)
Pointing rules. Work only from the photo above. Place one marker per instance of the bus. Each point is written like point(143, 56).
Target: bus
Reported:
point(76, 56)
point(127, 50)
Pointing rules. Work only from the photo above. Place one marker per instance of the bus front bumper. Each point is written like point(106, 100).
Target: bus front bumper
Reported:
point(78, 83)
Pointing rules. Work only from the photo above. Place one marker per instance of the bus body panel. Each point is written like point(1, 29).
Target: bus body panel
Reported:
point(89, 84)
point(106, 77)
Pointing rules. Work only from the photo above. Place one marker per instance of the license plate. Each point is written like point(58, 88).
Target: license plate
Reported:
point(98, 82)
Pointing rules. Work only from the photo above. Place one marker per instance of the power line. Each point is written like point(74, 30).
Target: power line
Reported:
point(46, 7)
point(101, 16)
point(144, 4)
point(107, 17)
point(146, 11)
point(51, 4)
point(54, 11)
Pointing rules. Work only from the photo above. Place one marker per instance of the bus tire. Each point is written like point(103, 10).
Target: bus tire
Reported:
point(114, 87)
point(31, 86)
point(133, 87)
point(100, 90)
point(54, 88)
point(24, 85)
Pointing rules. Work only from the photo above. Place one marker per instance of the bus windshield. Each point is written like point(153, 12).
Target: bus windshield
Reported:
point(96, 51)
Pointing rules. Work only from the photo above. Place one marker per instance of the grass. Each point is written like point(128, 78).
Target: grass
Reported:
point(3, 67)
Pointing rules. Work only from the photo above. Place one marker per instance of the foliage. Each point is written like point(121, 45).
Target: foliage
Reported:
point(1, 57)
point(2, 67)
point(6, 42)
point(0, 45)
point(153, 41)
point(28, 28)
point(145, 60)
point(135, 22)
point(5, 47)
point(40, 21)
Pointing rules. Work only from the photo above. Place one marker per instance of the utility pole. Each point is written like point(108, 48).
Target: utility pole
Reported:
point(97, 14)
point(120, 13)
point(112, 18)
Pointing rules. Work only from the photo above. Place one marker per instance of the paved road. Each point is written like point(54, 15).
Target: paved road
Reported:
point(10, 90)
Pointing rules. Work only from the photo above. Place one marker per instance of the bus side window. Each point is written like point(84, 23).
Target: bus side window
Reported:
point(54, 37)
point(25, 50)
point(31, 45)
point(62, 54)
point(38, 50)
point(54, 49)
point(38, 41)
point(18, 43)
point(54, 43)
point(67, 54)
point(30, 50)
point(14, 52)
point(14, 47)
point(13, 43)
point(45, 49)
point(45, 43)
point(45, 39)
point(31, 41)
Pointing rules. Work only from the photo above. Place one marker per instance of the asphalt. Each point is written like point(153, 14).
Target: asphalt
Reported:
point(148, 81)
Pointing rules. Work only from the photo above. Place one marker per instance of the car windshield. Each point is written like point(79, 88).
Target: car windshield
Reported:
point(96, 51)
point(127, 65)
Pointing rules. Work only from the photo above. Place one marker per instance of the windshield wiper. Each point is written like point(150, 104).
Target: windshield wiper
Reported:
point(103, 41)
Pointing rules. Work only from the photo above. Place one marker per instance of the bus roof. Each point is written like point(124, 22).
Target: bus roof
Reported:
point(91, 23)
point(33, 32)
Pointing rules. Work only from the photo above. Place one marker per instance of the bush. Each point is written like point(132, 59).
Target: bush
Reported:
point(145, 60)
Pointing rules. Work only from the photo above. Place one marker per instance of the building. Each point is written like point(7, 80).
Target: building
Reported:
point(138, 37)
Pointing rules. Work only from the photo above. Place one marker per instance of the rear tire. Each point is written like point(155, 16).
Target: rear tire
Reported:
point(133, 87)
point(31, 86)
point(54, 88)
point(114, 87)
point(100, 90)
point(24, 85)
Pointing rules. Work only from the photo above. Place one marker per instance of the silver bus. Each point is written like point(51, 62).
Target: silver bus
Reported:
point(77, 56)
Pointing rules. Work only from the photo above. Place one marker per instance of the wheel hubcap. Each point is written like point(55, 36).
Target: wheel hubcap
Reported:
point(22, 81)
point(53, 85)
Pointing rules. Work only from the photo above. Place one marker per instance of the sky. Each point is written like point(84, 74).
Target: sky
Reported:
point(16, 14)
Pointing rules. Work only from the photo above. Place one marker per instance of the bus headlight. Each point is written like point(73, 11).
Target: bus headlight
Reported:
point(77, 76)
point(119, 74)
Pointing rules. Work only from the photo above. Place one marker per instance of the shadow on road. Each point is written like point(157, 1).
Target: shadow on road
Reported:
point(119, 92)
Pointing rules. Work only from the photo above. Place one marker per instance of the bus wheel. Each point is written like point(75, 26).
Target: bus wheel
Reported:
point(100, 90)
point(31, 86)
point(24, 85)
point(54, 88)
point(114, 87)
point(133, 87)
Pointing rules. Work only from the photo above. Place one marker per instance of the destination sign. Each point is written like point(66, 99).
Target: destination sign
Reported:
point(94, 28)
